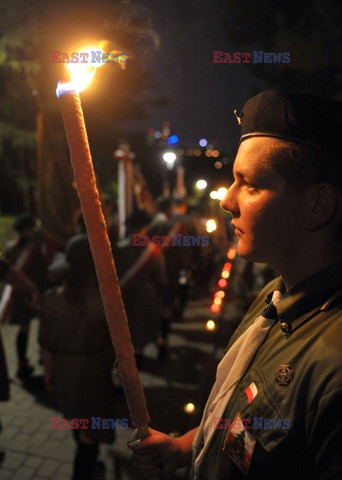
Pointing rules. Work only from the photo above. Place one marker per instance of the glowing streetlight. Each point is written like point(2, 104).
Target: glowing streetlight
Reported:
point(201, 184)
point(169, 158)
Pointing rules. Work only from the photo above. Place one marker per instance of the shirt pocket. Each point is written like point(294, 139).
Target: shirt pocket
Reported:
point(265, 419)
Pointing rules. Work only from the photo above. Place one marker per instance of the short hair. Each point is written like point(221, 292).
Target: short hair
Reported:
point(301, 165)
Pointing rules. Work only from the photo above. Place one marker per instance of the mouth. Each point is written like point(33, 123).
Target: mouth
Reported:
point(237, 230)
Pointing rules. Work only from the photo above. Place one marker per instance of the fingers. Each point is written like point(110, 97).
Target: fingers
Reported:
point(145, 456)
point(156, 439)
point(148, 464)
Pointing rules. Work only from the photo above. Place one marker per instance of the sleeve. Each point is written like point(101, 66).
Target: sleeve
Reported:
point(45, 334)
point(325, 437)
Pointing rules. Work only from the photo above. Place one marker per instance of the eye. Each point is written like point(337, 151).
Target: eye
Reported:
point(251, 187)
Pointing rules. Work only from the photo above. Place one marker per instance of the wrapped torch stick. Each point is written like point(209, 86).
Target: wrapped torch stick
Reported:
point(105, 268)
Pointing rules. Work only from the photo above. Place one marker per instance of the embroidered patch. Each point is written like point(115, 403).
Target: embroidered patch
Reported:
point(251, 392)
point(239, 444)
point(284, 374)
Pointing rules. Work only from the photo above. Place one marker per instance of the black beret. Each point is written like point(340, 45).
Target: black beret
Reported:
point(78, 254)
point(296, 117)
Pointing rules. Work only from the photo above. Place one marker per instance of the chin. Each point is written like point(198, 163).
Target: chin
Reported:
point(250, 254)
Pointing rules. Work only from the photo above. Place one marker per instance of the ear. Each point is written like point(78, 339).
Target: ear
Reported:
point(323, 205)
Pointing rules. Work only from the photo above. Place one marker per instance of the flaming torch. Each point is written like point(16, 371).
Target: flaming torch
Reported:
point(68, 94)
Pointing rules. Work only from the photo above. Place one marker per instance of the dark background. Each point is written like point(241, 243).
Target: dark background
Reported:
point(170, 76)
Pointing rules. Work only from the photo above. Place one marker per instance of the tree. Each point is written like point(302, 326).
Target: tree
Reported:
point(309, 30)
point(30, 31)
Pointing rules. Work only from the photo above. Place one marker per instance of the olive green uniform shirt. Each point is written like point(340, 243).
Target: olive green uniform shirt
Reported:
point(291, 392)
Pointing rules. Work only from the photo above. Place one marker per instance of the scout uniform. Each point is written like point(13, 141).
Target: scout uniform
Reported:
point(290, 397)
point(279, 417)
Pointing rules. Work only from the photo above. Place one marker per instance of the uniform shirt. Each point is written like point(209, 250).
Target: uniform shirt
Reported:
point(284, 418)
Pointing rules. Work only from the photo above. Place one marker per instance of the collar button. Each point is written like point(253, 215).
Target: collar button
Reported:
point(286, 328)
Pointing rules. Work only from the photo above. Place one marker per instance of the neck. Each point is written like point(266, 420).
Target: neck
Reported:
point(299, 268)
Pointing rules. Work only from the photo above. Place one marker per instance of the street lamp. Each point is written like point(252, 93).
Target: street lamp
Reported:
point(169, 158)
point(201, 184)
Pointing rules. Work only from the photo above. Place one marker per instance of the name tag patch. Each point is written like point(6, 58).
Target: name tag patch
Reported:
point(239, 444)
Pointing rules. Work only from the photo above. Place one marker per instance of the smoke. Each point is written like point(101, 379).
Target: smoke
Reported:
point(130, 29)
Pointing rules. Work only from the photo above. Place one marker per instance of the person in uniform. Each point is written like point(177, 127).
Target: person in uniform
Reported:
point(274, 409)
point(25, 252)
point(22, 284)
point(78, 353)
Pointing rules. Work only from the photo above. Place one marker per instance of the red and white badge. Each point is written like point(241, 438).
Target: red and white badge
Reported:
point(251, 392)
point(239, 444)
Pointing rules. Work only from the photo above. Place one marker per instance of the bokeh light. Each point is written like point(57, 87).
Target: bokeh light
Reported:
point(210, 225)
point(201, 184)
point(173, 139)
point(210, 325)
point(189, 407)
point(221, 193)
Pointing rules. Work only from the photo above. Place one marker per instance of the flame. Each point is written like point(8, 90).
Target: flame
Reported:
point(82, 72)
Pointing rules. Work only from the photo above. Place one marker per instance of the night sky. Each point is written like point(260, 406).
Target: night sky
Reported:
point(201, 95)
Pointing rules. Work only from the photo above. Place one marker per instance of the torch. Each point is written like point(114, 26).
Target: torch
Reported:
point(70, 104)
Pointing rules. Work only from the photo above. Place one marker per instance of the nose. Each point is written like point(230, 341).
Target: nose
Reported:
point(229, 202)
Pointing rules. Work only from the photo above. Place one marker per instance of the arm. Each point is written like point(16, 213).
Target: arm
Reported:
point(325, 437)
point(48, 370)
point(20, 282)
point(160, 453)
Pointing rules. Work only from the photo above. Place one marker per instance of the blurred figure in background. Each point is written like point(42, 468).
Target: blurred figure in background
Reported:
point(143, 281)
point(21, 283)
point(25, 251)
point(78, 352)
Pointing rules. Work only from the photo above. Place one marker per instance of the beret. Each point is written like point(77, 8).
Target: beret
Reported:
point(77, 262)
point(79, 256)
point(296, 117)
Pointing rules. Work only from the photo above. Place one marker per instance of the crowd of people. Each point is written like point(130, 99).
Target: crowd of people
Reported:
point(74, 340)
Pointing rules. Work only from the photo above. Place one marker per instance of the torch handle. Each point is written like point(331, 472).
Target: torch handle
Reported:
point(103, 259)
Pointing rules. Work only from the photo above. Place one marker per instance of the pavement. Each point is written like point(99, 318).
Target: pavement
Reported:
point(30, 449)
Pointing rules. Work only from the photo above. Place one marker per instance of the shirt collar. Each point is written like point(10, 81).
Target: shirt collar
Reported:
point(312, 294)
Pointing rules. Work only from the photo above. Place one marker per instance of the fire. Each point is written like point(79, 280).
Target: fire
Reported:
point(82, 73)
